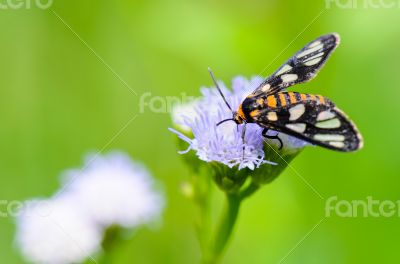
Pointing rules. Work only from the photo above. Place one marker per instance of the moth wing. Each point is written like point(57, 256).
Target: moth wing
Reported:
point(320, 124)
point(302, 67)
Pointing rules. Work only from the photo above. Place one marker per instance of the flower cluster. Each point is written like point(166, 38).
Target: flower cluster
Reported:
point(196, 122)
point(109, 191)
point(56, 230)
point(115, 191)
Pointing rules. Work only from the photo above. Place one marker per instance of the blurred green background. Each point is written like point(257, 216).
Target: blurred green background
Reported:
point(59, 101)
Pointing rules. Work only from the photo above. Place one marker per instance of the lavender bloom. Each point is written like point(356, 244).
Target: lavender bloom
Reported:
point(114, 190)
point(56, 231)
point(224, 144)
point(69, 227)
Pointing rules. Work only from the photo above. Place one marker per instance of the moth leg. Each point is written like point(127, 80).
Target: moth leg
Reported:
point(265, 134)
point(243, 135)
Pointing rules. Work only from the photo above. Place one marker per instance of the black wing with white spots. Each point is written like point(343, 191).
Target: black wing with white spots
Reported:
point(302, 67)
point(316, 120)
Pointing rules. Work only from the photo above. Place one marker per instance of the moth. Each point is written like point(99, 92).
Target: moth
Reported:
point(312, 118)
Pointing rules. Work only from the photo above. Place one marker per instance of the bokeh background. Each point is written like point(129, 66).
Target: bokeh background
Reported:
point(58, 101)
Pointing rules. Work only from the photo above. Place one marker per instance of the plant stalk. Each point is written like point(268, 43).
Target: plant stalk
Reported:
point(225, 228)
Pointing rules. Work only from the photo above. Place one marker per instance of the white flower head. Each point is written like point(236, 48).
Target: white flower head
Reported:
point(56, 231)
point(114, 190)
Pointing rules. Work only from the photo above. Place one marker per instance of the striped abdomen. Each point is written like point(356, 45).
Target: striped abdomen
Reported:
point(256, 107)
point(289, 98)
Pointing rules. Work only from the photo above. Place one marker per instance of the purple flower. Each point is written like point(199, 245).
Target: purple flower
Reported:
point(115, 190)
point(224, 144)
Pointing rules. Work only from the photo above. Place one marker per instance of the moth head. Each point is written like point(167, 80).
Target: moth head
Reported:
point(237, 118)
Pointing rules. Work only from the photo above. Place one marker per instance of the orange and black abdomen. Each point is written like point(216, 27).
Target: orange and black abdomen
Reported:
point(254, 108)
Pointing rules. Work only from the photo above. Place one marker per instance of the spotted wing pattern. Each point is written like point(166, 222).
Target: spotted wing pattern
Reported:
point(312, 118)
point(302, 67)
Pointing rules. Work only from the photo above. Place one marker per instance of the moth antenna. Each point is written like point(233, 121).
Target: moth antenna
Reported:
point(226, 120)
point(219, 89)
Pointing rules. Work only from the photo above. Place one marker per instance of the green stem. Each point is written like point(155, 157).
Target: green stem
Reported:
point(252, 188)
point(112, 237)
point(202, 194)
point(225, 228)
